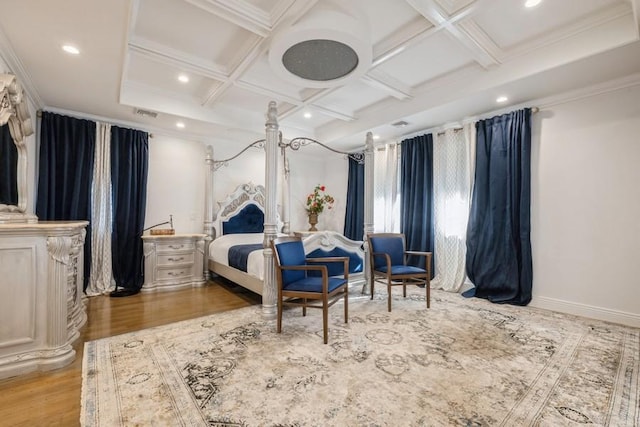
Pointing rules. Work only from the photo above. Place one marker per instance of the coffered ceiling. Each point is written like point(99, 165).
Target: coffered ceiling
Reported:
point(424, 62)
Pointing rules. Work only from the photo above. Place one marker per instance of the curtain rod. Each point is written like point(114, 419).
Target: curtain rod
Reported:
point(534, 110)
point(39, 115)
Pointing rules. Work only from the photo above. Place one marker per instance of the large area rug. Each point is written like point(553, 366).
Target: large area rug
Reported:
point(463, 362)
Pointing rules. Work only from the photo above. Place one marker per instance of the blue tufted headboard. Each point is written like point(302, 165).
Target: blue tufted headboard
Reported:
point(250, 219)
point(241, 211)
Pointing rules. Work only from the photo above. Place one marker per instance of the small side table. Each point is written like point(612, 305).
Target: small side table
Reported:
point(173, 262)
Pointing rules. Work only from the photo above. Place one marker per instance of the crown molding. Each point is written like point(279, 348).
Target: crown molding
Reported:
point(13, 62)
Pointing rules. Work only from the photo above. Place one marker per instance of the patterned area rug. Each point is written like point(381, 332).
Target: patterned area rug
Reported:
point(463, 362)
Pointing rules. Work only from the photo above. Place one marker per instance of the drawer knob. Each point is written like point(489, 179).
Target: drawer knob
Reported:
point(176, 259)
point(176, 246)
point(179, 273)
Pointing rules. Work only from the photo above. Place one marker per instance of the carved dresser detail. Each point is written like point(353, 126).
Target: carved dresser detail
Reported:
point(42, 307)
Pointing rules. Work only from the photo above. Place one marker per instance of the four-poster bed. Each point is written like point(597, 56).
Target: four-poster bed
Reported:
point(236, 252)
point(236, 221)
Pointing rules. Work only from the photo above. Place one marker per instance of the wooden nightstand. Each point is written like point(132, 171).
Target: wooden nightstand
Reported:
point(173, 262)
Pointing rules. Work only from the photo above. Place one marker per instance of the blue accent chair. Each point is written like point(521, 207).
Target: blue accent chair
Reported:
point(388, 260)
point(296, 287)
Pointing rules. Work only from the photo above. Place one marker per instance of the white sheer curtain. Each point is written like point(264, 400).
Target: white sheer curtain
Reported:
point(453, 162)
point(101, 276)
point(386, 189)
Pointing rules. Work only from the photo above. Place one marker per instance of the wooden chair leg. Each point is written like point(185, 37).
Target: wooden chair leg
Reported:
point(279, 321)
point(346, 305)
point(373, 280)
point(428, 286)
point(304, 307)
point(325, 322)
point(404, 288)
point(389, 296)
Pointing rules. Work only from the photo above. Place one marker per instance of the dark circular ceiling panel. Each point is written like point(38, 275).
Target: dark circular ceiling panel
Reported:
point(320, 60)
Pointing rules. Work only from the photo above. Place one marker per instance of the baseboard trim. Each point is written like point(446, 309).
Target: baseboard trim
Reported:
point(584, 310)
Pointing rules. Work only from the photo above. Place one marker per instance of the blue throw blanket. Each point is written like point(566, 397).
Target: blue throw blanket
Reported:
point(239, 254)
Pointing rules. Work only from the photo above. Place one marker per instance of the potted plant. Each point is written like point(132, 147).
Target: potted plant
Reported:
point(316, 203)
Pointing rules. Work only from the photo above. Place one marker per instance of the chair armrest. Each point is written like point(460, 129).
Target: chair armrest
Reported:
point(421, 253)
point(328, 259)
point(384, 254)
point(417, 253)
point(320, 268)
point(303, 267)
point(386, 257)
point(343, 259)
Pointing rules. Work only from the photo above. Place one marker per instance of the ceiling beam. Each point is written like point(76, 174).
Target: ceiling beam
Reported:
point(381, 80)
point(310, 103)
point(290, 9)
point(483, 54)
point(176, 58)
point(254, 52)
point(409, 35)
point(333, 113)
point(294, 11)
point(251, 87)
point(239, 12)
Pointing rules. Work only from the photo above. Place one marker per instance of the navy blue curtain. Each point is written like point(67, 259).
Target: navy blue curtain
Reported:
point(354, 215)
point(498, 235)
point(129, 167)
point(67, 147)
point(8, 168)
point(416, 208)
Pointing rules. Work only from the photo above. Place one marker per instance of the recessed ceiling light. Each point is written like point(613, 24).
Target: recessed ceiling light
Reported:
point(307, 115)
point(183, 78)
point(180, 125)
point(71, 49)
point(376, 136)
point(532, 3)
point(502, 99)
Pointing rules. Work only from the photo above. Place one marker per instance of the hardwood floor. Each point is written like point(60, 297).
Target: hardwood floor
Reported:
point(53, 398)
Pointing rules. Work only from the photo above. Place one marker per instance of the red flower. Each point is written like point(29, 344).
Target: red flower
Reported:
point(316, 201)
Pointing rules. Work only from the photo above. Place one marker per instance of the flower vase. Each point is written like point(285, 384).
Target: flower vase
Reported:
point(313, 220)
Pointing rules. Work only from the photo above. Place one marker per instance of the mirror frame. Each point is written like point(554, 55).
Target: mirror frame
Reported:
point(15, 112)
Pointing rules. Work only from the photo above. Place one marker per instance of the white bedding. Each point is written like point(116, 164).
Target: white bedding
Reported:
point(219, 249)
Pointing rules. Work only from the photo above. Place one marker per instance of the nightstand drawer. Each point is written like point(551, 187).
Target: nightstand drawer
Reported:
point(175, 247)
point(175, 259)
point(174, 273)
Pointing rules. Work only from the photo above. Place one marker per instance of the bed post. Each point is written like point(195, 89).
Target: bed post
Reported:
point(270, 215)
point(368, 203)
point(286, 196)
point(208, 209)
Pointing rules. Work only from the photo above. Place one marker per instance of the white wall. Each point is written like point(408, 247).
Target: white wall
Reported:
point(586, 206)
point(248, 167)
point(175, 184)
point(312, 166)
point(176, 181)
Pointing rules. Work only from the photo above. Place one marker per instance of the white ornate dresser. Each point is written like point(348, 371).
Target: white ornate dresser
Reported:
point(173, 262)
point(41, 300)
